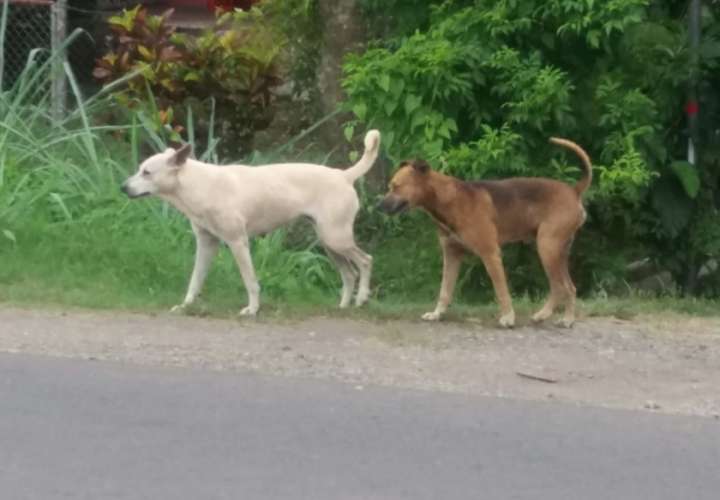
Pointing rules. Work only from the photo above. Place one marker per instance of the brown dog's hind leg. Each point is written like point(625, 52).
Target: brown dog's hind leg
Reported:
point(483, 241)
point(570, 290)
point(492, 259)
point(551, 258)
point(452, 258)
point(554, 254)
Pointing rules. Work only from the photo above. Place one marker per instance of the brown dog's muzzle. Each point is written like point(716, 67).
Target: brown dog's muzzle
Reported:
point(392, 204)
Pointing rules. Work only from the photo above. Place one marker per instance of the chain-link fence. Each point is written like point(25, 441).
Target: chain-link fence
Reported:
point(28, 27)
point(33, 24)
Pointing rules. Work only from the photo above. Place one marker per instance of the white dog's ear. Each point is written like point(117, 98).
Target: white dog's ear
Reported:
point(181, 155)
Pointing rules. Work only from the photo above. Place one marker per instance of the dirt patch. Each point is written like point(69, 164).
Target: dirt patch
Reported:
point(667, 365)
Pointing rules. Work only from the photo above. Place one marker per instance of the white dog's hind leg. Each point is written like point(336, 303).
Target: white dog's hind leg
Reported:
point(348, 275)
point(206, 247)
point(241, 251)
point(363, 261)
point(335, 230)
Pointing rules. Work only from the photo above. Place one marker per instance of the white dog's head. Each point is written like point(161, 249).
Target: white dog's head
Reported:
point(158, 174)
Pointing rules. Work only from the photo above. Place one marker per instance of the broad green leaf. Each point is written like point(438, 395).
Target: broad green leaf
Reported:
point(390, 105)
point(419, 118)
point(349, 131)
point(688, 175)
point(593, 38)
point(412, 102)
point(360, 110)
point(385, 82)
point(397, 87)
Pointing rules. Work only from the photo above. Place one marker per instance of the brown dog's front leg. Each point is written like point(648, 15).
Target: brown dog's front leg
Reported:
point(452, 259)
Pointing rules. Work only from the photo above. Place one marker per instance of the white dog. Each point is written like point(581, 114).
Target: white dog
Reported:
point(234, 203)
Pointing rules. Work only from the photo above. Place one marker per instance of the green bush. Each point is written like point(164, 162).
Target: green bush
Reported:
point(478, 86)
point(227, 70)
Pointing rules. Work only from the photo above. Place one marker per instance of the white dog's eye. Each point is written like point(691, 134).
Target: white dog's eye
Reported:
point(145, 173)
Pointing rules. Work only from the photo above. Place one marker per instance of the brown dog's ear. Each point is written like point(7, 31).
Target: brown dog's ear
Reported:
point(421, 166)
point(181, 155)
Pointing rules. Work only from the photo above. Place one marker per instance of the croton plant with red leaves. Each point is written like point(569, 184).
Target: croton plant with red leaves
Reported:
point(232, 62)
point(231, 4)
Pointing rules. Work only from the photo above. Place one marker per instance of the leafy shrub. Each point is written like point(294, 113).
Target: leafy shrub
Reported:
point(230, 66)
point(478, 86)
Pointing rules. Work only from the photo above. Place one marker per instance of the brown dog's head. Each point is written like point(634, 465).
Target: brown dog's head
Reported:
point(407, 188)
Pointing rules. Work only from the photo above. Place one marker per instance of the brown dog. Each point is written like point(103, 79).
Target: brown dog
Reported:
point(480, 217)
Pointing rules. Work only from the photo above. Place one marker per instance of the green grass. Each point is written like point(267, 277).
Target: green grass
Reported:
point(117, 271)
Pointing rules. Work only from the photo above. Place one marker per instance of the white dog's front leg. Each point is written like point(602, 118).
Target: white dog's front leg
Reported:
point(241, 251)
point(206, 247)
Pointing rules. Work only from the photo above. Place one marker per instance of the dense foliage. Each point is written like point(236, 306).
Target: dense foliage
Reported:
point(474, 86)
point(230, 66)
point(478, 86)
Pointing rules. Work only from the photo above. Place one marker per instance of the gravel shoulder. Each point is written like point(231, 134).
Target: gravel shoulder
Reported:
point(668, 364)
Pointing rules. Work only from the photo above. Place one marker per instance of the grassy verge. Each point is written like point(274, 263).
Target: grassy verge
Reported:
point(38, 279)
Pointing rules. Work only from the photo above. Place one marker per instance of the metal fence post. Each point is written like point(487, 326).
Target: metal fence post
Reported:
point(58, 15)
point(692, 109)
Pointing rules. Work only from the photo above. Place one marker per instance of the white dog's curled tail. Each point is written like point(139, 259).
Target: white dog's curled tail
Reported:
point(372, 146)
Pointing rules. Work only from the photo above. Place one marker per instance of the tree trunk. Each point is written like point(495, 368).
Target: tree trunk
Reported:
point(343, 32)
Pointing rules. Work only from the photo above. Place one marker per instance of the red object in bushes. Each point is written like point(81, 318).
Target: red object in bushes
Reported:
point(692, 108)
point(230, 4)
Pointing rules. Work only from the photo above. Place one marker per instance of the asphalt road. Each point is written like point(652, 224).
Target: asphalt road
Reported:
point(92, 430)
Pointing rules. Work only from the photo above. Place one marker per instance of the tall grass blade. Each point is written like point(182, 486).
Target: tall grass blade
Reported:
point(3, 27)
point(134, 143)
point(212, 143)
point(191, 128)
point(58, 199)
point(33, 75)
point(109, 89)
point(88, 138)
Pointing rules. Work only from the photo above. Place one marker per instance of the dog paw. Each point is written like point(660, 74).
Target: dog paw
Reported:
point(178, 309)
point(361, 298)
point(565, 322)
point(248, 311)
point(508, 320)
point(541, 316)
point(432, 316)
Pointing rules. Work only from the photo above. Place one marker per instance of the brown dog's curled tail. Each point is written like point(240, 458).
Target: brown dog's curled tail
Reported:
point(586, 179)
point(372, 146)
